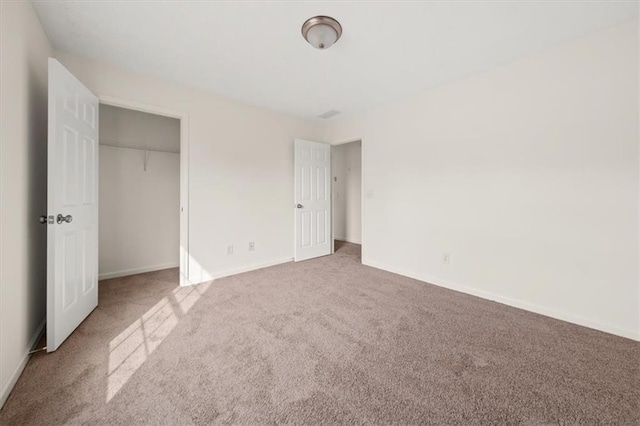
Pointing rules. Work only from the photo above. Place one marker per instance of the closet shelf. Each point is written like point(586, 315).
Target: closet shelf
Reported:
point(116, 144)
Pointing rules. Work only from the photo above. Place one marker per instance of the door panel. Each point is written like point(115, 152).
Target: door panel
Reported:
point(89, 173)
point(312, 199)
point(321, 223)
point(69, 250)
point(72, 191)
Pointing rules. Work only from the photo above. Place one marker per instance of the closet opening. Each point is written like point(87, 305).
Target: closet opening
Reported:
point(139, 190)
point(346, 170)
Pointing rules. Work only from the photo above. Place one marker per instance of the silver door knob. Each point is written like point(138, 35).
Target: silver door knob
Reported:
point(299, 206)
point(68, 218)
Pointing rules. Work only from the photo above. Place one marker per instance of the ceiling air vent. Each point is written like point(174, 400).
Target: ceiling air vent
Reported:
point(329, 114)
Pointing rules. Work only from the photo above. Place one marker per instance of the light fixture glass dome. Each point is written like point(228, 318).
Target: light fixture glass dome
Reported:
point(321, 31)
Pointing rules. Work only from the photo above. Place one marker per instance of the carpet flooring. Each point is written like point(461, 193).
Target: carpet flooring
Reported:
point(326, 341)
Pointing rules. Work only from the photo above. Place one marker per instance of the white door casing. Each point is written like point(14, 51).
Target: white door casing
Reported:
point(72, 204)
point(312, 197)
point(185, 259)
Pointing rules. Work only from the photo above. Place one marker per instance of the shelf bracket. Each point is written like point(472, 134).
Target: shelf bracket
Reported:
point(146, 159)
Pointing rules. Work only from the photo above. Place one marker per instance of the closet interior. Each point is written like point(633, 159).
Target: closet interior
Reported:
point(139, 215)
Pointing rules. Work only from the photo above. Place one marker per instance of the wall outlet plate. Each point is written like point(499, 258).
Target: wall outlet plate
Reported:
point(229, 249)
point(252, 246)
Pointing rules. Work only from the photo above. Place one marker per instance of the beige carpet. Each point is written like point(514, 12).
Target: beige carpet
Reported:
point(323, 341)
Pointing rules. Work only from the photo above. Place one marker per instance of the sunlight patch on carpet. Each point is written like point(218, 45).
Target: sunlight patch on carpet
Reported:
point(130, 349)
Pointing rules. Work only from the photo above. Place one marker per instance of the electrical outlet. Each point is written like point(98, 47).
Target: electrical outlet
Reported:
point(229, 249)
point(446, 258)
point(252, 246)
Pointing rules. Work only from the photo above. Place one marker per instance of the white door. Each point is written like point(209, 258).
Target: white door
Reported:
point(312, 198)
point(72, 204)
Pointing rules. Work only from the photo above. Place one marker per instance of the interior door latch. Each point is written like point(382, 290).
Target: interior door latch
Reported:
point(46, 219)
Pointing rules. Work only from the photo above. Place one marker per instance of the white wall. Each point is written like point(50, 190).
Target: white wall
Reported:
point(527, 175)
point(24, 50)
point(346, 167)
point(240, 168)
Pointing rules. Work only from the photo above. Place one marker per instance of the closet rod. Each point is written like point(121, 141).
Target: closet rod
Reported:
point(114, 144)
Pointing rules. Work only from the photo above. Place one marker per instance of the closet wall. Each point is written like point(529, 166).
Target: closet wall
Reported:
point(139, 209)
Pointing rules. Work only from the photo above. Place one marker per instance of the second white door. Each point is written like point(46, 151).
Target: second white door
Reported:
point(312, 196)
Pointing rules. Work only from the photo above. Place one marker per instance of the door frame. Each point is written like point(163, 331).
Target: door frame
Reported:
point(184, 170)
point(362, 195)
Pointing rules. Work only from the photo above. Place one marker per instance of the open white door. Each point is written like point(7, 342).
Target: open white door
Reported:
point(72, 204)
point(312, 198)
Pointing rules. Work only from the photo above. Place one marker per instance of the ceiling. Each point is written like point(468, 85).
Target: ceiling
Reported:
point(253, 51)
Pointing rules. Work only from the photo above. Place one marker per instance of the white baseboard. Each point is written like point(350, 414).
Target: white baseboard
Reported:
point(133, 271)
point(6, 390)
point(236, 271)
point(607, 328)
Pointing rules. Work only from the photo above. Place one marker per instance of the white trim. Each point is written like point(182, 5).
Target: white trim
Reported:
point(139, 106)
point(549, 312)
point(333, 205)
point(184, 170)
point(134, 271)
point(23, 363)
point(240, 270)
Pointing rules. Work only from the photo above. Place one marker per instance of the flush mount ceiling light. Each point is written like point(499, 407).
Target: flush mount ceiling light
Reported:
point(321, 31)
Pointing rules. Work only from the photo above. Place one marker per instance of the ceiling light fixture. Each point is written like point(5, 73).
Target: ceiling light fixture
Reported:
point(321, 31)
